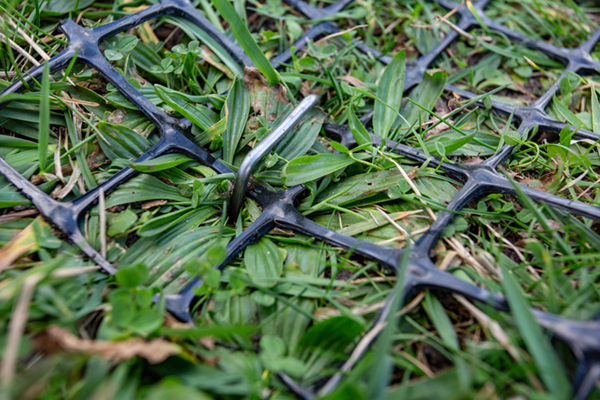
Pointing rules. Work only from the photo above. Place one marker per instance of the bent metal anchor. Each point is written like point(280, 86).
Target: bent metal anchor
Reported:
point(278, 207)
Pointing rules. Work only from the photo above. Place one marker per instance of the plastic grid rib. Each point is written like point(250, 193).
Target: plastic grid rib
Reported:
point(278, 207)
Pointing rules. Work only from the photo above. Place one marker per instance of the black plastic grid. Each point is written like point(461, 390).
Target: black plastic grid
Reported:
point(278, 207)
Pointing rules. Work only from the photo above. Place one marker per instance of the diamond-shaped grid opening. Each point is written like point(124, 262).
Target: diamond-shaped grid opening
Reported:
point(501, 230)
point(545, 163)
point(560, 24)
point(391, 212)
point(574, 98)
point(183, 62)
point(482, 66)
point(410, 26)
point(485, 128)
point(275, 26)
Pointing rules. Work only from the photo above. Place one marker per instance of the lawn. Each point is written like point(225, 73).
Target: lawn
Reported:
point(430, 229)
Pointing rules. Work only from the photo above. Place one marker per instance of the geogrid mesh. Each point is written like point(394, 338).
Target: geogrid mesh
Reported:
point(278, 207)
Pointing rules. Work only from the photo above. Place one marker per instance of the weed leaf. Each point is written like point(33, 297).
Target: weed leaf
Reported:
point(264, 262)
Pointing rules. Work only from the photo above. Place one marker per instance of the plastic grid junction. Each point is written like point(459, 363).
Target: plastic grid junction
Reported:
point(278, 207)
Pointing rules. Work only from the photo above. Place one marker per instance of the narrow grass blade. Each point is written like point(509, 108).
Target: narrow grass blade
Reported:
point(44, 125)
point(441, 321)
point(160, 163)
point(381, 369)
point(197, 115)
point(358, 130)
point(538, 344)
point(241, 33)
point(567, 114)
point(595, 111)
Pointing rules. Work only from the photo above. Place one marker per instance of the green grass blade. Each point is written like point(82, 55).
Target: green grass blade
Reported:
point(211, 14)
point(423, 98)
point(160, 163)
point(44, 125)
point(238, 106)
point(567, 114)
point(391, 86)
point(241, 33)
point(309, 168)
point(441, 321)
point(88, 177)
point(538, 344)
point(595, 111)
point(195, 114)
point(356, 127)
point(476, 15)
point(381, 369)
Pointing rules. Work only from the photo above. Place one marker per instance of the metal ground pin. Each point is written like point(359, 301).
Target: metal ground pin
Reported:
point(262, 149)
